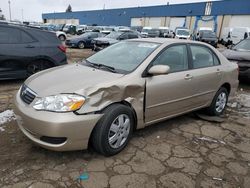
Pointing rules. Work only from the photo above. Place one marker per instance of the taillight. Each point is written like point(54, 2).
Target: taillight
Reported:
point(62, 48)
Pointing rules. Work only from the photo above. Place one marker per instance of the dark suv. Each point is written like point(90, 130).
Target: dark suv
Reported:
point(25, 51)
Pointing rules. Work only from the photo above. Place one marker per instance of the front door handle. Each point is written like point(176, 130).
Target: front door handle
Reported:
point(188, 77)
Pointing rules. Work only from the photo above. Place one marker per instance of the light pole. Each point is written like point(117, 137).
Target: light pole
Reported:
point(9, 9)
point(22, 15)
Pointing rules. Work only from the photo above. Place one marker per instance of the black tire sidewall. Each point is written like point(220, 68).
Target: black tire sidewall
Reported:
point(104, 124)
point(79, 43)
point(212, 109)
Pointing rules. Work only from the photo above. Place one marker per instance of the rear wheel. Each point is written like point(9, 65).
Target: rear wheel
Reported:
point(219, 102)
point(37, 66)
point(81, 45)
point(113, 131)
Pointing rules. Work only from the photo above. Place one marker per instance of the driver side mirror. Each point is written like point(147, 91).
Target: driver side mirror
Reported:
point(159, 70)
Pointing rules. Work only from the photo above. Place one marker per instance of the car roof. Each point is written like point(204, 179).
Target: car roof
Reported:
point(166, 41)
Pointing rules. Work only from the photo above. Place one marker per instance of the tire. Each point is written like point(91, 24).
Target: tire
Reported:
point(110, 141)
point(62, 38)
point(219, 102)
point(81, 45)
point(37, 66)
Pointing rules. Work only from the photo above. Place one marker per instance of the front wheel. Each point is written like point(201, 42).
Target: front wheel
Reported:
point(112, 133)
point(219, 102)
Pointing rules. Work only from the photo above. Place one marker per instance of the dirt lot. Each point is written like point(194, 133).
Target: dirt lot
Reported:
point(182, 152)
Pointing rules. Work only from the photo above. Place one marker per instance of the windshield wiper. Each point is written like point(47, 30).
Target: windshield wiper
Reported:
point(101, 66)
point(111, 69)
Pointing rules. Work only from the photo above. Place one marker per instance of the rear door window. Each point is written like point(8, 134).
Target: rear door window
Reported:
point(10, 35)
point(26, 38)
point(203, 57)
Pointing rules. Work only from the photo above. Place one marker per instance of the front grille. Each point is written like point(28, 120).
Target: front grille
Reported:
point(27, 95)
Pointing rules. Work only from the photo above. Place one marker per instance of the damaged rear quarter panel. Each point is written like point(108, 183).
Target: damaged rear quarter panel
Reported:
point(127, 88)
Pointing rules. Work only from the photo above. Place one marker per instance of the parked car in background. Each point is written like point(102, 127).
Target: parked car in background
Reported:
point(169, 34)
point(127, 86)
point(182, 33)
point(208, 37)
point(240, 53)
point(25, 51)
point(107, 30)
point(84, 40)
point(154, 33)
point(80, 29)
point(112, 38)
point(163, 31)
point(61, 35)
point(70, 29)
point(136, 28)
point(145, 31)
point(226, 36)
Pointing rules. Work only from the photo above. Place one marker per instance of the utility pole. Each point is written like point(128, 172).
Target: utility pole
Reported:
point(9, 9)
point(22, 15)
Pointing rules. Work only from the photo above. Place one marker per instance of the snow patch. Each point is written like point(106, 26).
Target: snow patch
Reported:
point(5, 117)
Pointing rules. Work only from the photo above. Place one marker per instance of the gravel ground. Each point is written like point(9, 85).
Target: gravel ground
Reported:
point(182, 152)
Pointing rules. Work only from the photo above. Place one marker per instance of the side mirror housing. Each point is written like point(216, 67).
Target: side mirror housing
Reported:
point(159, 70)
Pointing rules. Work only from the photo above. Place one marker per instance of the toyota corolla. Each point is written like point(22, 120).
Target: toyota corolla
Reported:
point(127, 86)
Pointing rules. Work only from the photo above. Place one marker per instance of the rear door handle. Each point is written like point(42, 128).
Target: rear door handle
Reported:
point(188, 77)
point(29, 46)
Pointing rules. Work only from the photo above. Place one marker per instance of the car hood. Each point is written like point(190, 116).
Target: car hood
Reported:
point(106, 39)
point(236, 55)
point(68, 79)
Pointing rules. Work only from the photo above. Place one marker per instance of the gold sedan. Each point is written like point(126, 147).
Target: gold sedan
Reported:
point(127, 86)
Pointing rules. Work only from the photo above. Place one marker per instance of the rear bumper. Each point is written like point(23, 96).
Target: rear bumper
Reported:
point(73, 131)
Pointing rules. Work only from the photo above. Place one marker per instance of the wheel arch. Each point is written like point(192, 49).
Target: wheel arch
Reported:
point(123, 102)
point(227, 86)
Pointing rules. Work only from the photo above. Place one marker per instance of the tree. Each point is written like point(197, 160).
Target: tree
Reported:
point(1, 15)
point(69, 9)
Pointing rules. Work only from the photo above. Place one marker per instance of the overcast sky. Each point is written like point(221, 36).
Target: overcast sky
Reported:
point(33, 9)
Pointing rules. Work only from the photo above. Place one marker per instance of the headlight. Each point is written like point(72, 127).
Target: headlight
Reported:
point(60, 103)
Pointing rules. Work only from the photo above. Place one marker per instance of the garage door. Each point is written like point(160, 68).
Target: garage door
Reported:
point(155, 22)
point(239, 21)
point(176, 22)
point(136, 22)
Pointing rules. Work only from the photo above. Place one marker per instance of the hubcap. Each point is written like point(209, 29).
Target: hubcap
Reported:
point(81, 45)
point(119, 131)
point(221, 102)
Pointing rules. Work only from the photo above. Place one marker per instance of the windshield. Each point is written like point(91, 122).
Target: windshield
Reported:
point(182, 32)
point(243, 45)
point(114, 35)
point(121, 57)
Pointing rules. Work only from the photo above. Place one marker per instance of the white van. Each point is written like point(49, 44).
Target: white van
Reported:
point(182, 33)
point(238, 34)
point(226, 35)
point(234, 35)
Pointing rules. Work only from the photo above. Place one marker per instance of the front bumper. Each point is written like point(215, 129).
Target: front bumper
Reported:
point(76, 129)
